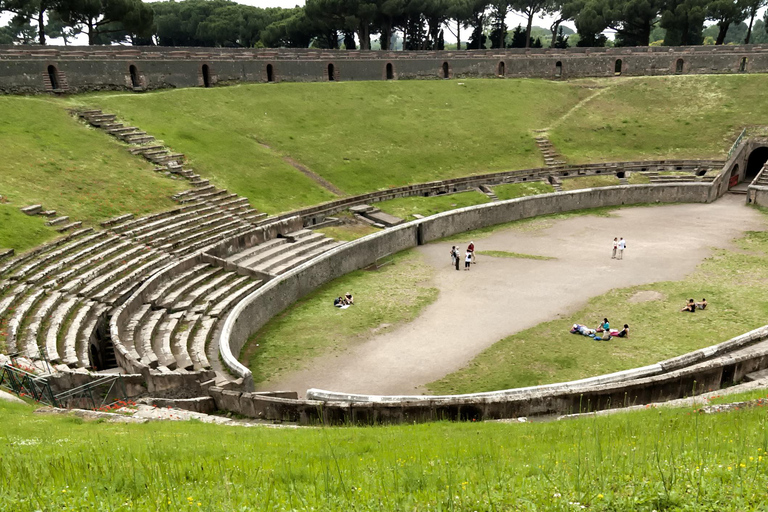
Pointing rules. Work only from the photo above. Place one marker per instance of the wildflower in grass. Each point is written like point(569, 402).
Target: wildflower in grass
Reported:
point(600, 496)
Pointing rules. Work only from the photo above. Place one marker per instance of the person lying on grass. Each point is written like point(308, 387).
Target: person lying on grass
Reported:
point(690, 307)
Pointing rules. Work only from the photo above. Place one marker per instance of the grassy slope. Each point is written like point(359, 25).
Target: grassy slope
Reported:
point(405, 207)
point(663, 117)
point(732, 281)
point(312, 327)
point(48, 157)
point(361, 136)
point(20, 231)
point(671, 460)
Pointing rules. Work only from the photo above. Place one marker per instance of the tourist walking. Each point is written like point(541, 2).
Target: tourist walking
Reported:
point(468, 260)
point(471, 250)
point(615, 248)
point(453, 255)
point(622, 246)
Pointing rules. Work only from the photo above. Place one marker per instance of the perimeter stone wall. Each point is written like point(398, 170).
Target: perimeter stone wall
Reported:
point(76, 69)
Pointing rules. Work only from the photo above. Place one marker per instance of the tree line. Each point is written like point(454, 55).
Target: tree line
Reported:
point(384, 24)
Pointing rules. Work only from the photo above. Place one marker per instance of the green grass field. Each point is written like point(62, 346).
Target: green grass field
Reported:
point(732, 281)
point(662, 117)
point(49, 158)
point(670, 460)
point(312, 327)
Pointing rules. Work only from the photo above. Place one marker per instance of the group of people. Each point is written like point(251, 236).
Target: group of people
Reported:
point(618, 248)
point(344, 302)
point(602, 332)
point(469, 258)
point(691, 306)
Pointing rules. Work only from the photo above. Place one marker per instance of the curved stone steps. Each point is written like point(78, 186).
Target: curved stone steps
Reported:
point(54, 334)
point(172, 295)
point(12, 340)
point(133, 337)
point(305, 256)
point(91, 251)
point(129, 281)
point(179, 223)
point(90, 263)
point(213, 239)
point(56, 254)
point(182, 340)
point(201, 233)
point(151, 341)
point(149, 229)
point(30, 336)
point(306, 246)
point(171, 344)
point(193, 295)
point(74, 354)
point(174, 282)
point(193, 231)
point(86, 330)
point(134, 225)
point(93, 272)
point(8, 302)
point(9, 265)
point(259, 253)
point(223, 305)
point(111, 273)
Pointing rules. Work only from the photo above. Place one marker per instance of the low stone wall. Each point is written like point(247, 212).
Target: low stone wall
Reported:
point(566, 398)
point(257, 309)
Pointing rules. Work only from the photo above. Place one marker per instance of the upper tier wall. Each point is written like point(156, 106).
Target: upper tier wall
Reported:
point(77, 69)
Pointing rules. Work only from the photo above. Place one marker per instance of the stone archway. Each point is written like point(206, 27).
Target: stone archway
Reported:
point(757, 159)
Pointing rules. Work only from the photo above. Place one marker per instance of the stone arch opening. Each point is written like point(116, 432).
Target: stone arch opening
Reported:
point(679, 65)
point(743, 65)
point(390, 71)
point(757, 159)
point(558, 69)
point(621, 175)
point(617, 67)
point(206, 76)
point(701, 172)
point(446, 70)
point(270, 73)
point(94, 356)
point(331, 73)
point(501, 70)
point(135, 82)
point(53, 76)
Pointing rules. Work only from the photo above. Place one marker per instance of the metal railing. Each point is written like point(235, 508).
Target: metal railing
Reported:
point(736, 143)
point(25, 384)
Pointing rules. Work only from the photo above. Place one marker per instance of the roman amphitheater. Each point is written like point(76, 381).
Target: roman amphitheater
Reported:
point(168, 301)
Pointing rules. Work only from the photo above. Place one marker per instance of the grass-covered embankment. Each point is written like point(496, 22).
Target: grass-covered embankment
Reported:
point(360, 136)
point(671, 460)
point(50, 158)
point(662, 117)
point(312, 327)
point(732, 281)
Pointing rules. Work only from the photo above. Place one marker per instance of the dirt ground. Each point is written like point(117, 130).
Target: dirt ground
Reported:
point(502, 296)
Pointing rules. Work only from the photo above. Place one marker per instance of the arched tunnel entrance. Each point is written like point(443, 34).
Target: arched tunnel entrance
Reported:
point(755, 162)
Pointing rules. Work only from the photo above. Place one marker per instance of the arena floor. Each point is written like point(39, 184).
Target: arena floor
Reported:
point(502, 296)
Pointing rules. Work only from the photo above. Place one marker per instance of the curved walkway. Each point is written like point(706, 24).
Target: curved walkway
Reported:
point(509, 295)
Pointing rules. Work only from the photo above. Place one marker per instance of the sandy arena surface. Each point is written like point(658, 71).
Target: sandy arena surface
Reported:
point(502, 296)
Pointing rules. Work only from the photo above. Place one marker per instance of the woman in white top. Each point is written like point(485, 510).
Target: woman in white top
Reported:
point(467, 260)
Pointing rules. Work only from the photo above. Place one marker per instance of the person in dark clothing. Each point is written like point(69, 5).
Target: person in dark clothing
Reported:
point(457, 258)
point(690, 307)
point(624, 333)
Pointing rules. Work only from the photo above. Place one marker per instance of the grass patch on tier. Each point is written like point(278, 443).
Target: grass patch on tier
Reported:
point(589, 182)
point(360, 136)
point(662, 117)
point(405, 207)
point(20, 231)
point(505, 254)
point(50, 158)
point(348, 232)
point(313, 327)
point(732, 281)
point(515, 190)
point(671, 460)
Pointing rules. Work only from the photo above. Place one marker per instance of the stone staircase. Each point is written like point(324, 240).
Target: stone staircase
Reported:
point(762, 178)
point(279, 255)
point(551, 157)
point(375, 217)
point(488, 191)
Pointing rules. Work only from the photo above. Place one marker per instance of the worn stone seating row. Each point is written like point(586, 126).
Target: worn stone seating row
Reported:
point(52, 297)
point(170, 331)
point(280, 255)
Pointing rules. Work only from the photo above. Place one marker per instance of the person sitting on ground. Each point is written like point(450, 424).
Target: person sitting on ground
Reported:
point(702, 304)
point(603, 326)
point(338, 302)
point(624, 333)
point(348, 299)
point(690, 307)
